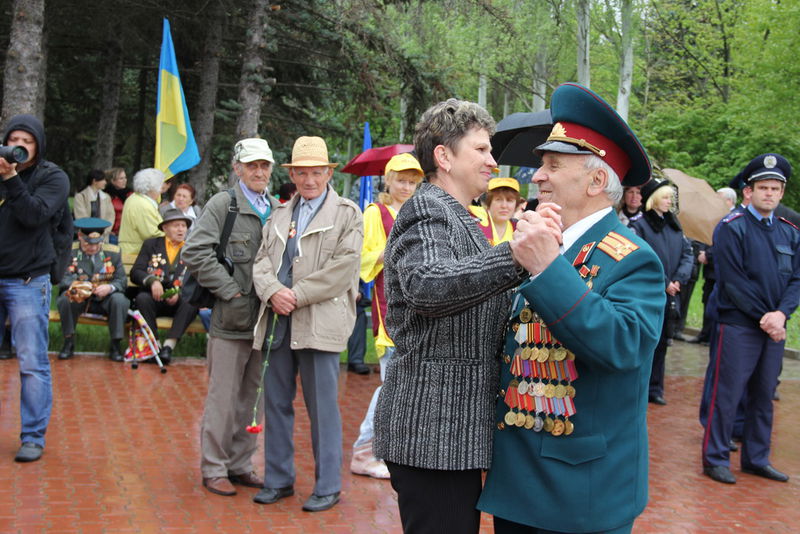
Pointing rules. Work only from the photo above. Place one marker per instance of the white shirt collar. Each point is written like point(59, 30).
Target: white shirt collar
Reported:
point(574, 232)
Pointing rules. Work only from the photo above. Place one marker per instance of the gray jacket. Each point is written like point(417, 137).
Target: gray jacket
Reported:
point(232, 318)
point(448, 300)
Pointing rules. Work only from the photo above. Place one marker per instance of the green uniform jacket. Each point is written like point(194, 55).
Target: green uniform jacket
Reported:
point(81, 267)
point(594, 479)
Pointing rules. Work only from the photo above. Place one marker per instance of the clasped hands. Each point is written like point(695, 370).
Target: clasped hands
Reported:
point(283, 301)
point(774, 324)
point(537, 239)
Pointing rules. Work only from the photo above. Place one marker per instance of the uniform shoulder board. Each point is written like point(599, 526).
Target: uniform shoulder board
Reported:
point(108, 247)
point(617, 246)
point(733, 215)
point(790, 223)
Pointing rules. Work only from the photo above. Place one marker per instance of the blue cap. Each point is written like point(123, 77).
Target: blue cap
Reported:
point(768, 166)
point(91, 228)
point(584, 123)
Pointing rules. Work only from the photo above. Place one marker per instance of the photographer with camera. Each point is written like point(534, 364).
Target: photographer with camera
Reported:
point(94, 282)
point(234, 368)
point(33, 193)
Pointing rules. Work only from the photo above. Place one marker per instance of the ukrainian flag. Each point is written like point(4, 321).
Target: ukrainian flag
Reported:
point(176, 149)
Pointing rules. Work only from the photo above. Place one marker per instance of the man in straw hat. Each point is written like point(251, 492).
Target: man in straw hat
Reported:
point(234, 368)
point(578, 464)
point(306, 275)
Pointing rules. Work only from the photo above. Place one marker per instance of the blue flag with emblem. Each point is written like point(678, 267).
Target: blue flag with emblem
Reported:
point(365, 198)
point(176, 149)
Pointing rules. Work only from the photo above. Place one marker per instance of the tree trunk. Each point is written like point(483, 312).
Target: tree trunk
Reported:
point(204, 115)
point(41, 93)
point(252, 81)
point(626, 59)
point(482, 83)
point(538, 102)
point(109, 108)
point(137, 156)
point(583, 42)
point(24, 60)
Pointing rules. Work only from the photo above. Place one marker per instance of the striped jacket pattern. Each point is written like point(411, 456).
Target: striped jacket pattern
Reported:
point(448, 300)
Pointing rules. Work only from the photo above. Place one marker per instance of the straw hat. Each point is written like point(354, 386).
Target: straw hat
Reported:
point(310, 152)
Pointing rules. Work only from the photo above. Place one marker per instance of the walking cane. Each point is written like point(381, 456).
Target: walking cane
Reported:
point(254, 427)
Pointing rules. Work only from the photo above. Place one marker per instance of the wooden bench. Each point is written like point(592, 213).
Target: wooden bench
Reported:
point(164, 323)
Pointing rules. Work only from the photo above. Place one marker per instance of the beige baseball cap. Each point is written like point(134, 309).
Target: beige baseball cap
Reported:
point(252, 149)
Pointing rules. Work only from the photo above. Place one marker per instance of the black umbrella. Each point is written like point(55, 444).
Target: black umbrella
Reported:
point(518, 134)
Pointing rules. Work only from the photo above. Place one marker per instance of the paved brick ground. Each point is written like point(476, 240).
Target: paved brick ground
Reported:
point(122, 456)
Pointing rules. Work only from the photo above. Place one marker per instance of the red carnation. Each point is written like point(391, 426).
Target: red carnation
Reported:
point(255, 429)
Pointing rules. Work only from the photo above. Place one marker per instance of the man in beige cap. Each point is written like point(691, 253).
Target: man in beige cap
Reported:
point(234, 368)
point(306, 275)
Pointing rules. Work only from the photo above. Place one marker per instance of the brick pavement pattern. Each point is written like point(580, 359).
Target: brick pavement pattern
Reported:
point(122, 455)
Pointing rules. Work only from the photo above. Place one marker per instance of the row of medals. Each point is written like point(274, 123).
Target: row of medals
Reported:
point(541, 354)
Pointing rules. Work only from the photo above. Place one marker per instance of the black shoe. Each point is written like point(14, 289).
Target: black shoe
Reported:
point(5, 348)
point(315, 503)
point(29, 452)
point(273, 495)
point(69, 348)
point(766, 471)
point(732, 446)
point(113, 352)
point(165, 355)
point(657, 399)
point(359, 368)
point(720, 473)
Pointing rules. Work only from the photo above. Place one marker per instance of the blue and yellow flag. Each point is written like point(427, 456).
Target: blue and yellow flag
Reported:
point(176, 150)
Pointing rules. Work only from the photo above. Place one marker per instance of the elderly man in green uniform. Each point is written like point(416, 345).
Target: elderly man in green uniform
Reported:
point(95, 282)
point(570, 449)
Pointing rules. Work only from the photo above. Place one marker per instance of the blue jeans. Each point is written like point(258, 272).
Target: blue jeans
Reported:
point(27, 304)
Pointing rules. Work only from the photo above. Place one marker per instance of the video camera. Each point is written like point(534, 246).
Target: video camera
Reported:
point(14, 154)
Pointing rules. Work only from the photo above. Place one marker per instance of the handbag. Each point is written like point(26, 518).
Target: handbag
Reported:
point(194, 293)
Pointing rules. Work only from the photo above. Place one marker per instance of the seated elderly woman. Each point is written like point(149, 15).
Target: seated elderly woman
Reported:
point(140, 216)
point(158, 270)
point(184, 199)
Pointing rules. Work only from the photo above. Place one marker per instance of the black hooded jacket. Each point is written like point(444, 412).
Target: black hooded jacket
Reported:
point(31, 204)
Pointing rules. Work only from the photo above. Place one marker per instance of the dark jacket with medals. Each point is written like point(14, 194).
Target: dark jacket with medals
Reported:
point(153, 264)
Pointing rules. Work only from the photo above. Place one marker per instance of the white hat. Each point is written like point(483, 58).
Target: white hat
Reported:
point(252, 149)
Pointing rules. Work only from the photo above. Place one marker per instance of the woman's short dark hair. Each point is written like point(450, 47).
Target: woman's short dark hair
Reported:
point(445, 124)
point(95, 175)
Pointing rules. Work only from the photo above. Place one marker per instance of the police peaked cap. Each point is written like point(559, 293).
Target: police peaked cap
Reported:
point(768, 166)
point(584, 123)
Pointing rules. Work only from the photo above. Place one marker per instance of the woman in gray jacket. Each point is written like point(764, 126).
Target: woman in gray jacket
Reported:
point(448, 296)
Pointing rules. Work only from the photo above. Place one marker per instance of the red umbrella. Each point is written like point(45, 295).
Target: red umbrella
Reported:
point(372, 161)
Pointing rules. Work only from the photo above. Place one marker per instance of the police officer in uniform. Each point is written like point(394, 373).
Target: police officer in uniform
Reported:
point(570, 449)
point(757, 255)
point(95, 282)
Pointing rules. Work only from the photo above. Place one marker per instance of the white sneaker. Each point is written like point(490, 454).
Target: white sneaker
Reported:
point(364, 463)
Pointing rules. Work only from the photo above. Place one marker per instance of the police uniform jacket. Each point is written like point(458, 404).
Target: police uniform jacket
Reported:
point(758, 268)
point(594, 479)
point(105, 268)
point(153, 264)
point(447, 291)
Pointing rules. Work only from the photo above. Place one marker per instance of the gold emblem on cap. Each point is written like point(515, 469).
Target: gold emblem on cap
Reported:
point(770, 161)
point(559, 133)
